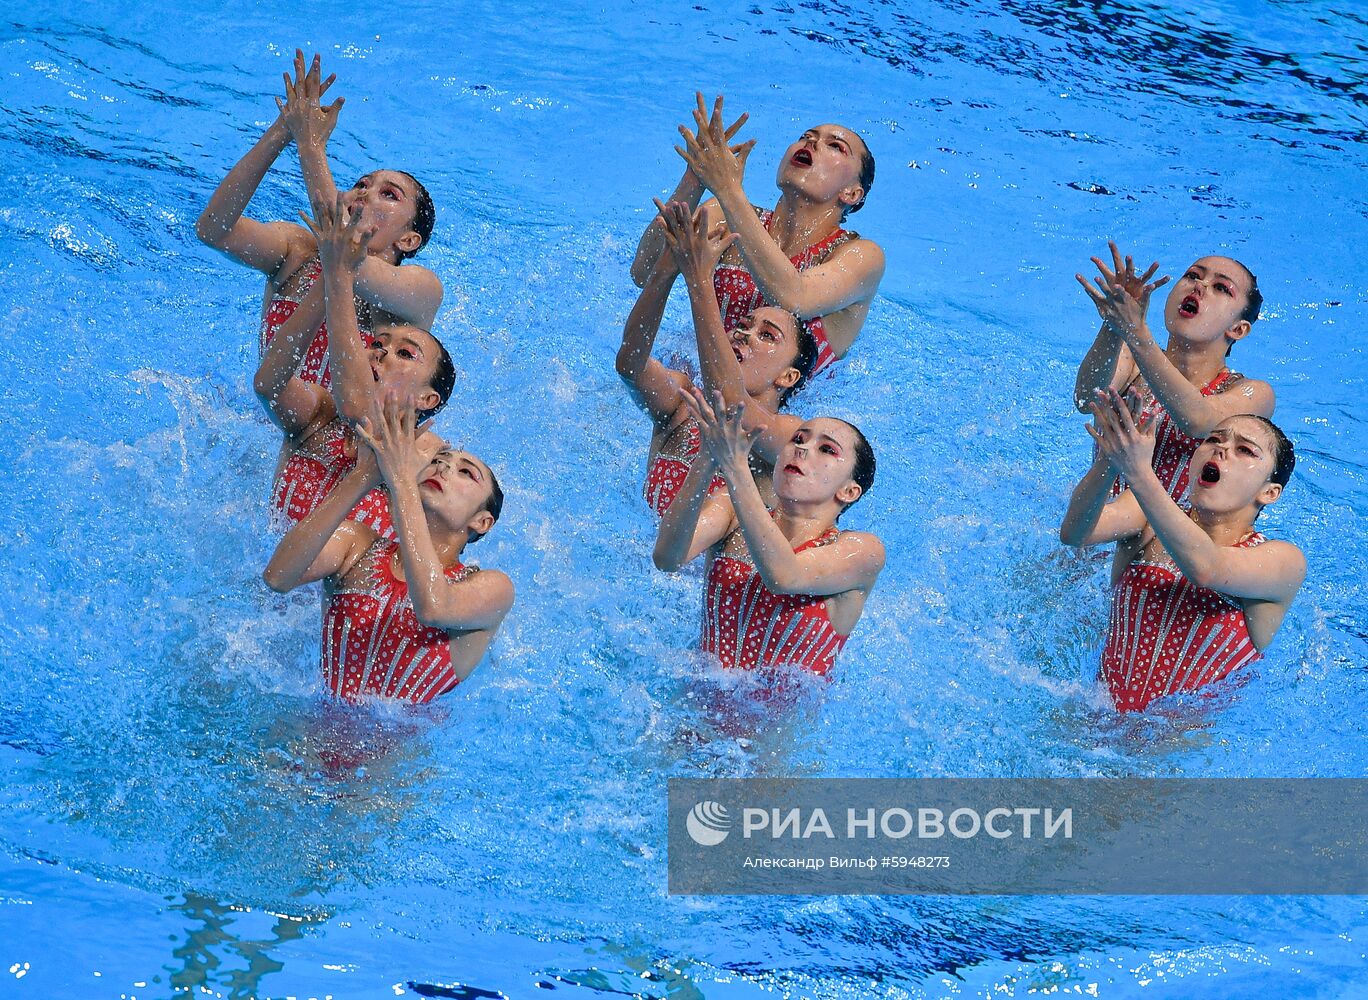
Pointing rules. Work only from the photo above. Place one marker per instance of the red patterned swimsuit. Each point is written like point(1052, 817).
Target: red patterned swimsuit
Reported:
point(1167, 634)
point(738, 297)
point(1173, 449)
point(314, 365)
point(319, 463)
point(374, 644)
point(746, 625)
point(667, 473)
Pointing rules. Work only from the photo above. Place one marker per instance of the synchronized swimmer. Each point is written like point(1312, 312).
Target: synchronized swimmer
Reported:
point(381, 509)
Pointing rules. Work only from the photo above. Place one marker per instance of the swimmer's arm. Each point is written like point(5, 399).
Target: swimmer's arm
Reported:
point(290, 402)
point(1273, 571)
point(716, 361)
point(353, 382)
point(410, 292)
point(260, 245)
point(695, 521)
point(656, 388)
point(651, 247)
point(325, 543)
point(851, 562)
point(722, 372)
point(1108, 363)
point(851, 275)
point(481, 602)
point(1196, 415)
point(690, 191)
point(1090, 519)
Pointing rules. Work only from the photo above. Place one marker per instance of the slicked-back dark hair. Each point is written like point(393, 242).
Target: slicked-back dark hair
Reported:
point(494, 505)
point(1253, 303)
point(865, 466)
point(443, 380)
point(1284, 453)
point(866, 178)
point(805, 362)
point(424, 215)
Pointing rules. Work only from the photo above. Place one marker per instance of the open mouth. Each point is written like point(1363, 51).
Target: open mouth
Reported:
point(793, 470)
point(434, 484)
point(375, 374)
point(739, 355)
point(1189, 306)
point(1211, 474)
point(803, 157)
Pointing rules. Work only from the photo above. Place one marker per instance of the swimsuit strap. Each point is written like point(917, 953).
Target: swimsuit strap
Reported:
point(825, 538)
point(315, 263)
point(1224, 379)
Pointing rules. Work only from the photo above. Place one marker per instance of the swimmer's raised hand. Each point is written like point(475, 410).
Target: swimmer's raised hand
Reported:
point(302, 112)
point(728, 133)
point(695, 252)
point(342, 241)
point(711, 158)
point(723, 432)
point(1117, 284)
point(1127, 442)
point(398, 444)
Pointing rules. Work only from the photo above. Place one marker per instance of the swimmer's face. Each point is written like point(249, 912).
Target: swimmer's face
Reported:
point(387, 200)
point(1232, 468)
point(818, 463)
point(766, 345)
point(824, 164)
point(456, 486)
point(405, 358)
point(1205, 303)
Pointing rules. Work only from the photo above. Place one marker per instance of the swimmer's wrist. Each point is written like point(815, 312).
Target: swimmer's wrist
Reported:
point(730, 190)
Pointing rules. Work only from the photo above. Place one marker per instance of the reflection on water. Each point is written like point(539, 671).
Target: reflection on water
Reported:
point(226, 936)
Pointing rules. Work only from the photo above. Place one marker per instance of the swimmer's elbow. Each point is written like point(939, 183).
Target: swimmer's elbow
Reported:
point(277, 580)
point(349, 409)
point(209, 231)
point(626, 366)
point(666, 561)
point(265, 386)
point(1070, 535)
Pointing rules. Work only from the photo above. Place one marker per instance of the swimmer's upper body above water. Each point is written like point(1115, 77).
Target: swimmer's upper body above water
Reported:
point(1186, 387)
point(763, 361)
point(784, 588)
point(405, 619)
point(320, 446)
point(796, 256)
point(394, 202)
point(1199, 593)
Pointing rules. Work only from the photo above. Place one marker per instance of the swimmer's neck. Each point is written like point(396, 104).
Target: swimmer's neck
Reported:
point(1226, 528)
point(448, 541)
point(1198, 363)
point(798, 221)
point(802, 522)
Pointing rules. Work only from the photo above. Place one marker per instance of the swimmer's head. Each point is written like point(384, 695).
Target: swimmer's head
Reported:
point(1246, 459)
point(399, 208)
point(826, 460)
point(829, 163)
point(462, 491)
point(776, 352)
point(413, 361)
point(1217, 297)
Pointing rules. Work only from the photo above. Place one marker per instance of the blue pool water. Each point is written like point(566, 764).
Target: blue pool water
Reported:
point(180, 810)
